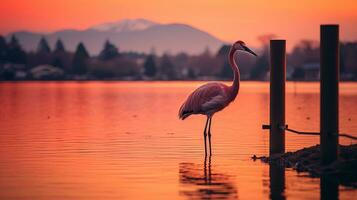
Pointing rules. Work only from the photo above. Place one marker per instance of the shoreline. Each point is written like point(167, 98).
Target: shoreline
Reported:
point(308, 160)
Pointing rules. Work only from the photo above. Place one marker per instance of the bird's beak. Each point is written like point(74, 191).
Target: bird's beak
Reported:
point(249, 51)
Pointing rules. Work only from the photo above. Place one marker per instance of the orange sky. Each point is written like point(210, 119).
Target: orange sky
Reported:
point(227, 19)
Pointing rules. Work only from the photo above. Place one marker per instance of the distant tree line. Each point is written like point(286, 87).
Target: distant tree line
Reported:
point(304, 61)
point(112, 64)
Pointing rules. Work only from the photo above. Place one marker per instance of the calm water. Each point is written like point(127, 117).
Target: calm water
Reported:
point(122, 140)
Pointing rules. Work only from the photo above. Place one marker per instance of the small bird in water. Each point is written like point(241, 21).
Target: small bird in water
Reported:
point(213, 97)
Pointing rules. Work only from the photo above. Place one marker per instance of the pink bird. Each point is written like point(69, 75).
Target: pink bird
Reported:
point(213, 97)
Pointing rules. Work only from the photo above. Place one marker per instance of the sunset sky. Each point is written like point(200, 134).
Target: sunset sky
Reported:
point(228, 20)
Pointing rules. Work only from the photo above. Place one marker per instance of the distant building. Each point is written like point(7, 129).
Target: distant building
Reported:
point(311, 71)
point(306, 72)
point(14, 71)
point(46, 72)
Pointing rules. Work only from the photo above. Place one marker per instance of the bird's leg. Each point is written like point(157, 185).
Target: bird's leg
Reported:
point(205, 135)
point(205, 170)
point(209, 136)
point(209, 171)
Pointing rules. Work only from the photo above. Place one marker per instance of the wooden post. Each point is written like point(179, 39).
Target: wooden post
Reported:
point(277, 96)
point(277, 181)
point(329, 187)
point(329, 72)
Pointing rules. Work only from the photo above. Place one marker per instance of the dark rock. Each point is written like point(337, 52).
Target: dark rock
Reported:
point(308, 160)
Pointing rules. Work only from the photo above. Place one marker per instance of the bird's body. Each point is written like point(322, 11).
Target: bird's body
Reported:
point(207, 100)
point(213, 97)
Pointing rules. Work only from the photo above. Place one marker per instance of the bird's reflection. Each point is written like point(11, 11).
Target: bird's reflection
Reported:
point(202, 182)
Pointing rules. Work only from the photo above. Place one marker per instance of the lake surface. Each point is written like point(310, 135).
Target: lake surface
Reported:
point(123, 140)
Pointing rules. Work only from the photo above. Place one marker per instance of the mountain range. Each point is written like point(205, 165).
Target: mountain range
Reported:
point(138, 35)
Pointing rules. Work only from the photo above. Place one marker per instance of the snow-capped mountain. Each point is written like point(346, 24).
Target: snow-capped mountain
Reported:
point(138, 35)
point(125, 25)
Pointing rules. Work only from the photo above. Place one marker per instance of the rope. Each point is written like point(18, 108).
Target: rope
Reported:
point(301, 132)
point(316, 133)
point(348, 136)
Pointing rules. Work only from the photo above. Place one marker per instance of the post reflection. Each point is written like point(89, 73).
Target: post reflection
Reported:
point(205, 183)
point(277, 181)
point(328, 188)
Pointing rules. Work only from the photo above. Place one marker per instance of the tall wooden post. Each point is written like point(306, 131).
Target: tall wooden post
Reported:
point(329, 187)
point(277, 96)
point(329, 59)
point(277, 181)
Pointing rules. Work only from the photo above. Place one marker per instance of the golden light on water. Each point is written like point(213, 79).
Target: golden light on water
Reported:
point(124, 140)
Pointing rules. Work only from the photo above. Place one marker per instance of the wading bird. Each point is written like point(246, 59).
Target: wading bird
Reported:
point(213, 97)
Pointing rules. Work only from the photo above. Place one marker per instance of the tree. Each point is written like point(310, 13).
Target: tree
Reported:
point(298, 74)
point(150, 66)
point(43, 46)
point(15, 53)
point(79, 63)
point(59, 55)
point(167, 67)
point(109, 51)
point(222, 54)
point(261, 66)
point(57, 62)
point(181, 61)
point(191, 74)
point(3, 49)
point(306, 51)
point(59, 47)
point(14, 42)
point(224, 50)
point(226, 72)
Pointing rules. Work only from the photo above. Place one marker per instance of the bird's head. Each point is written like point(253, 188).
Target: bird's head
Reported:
point(240, 46)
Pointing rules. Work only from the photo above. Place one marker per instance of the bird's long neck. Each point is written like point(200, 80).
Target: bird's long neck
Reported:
point(235, 86)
